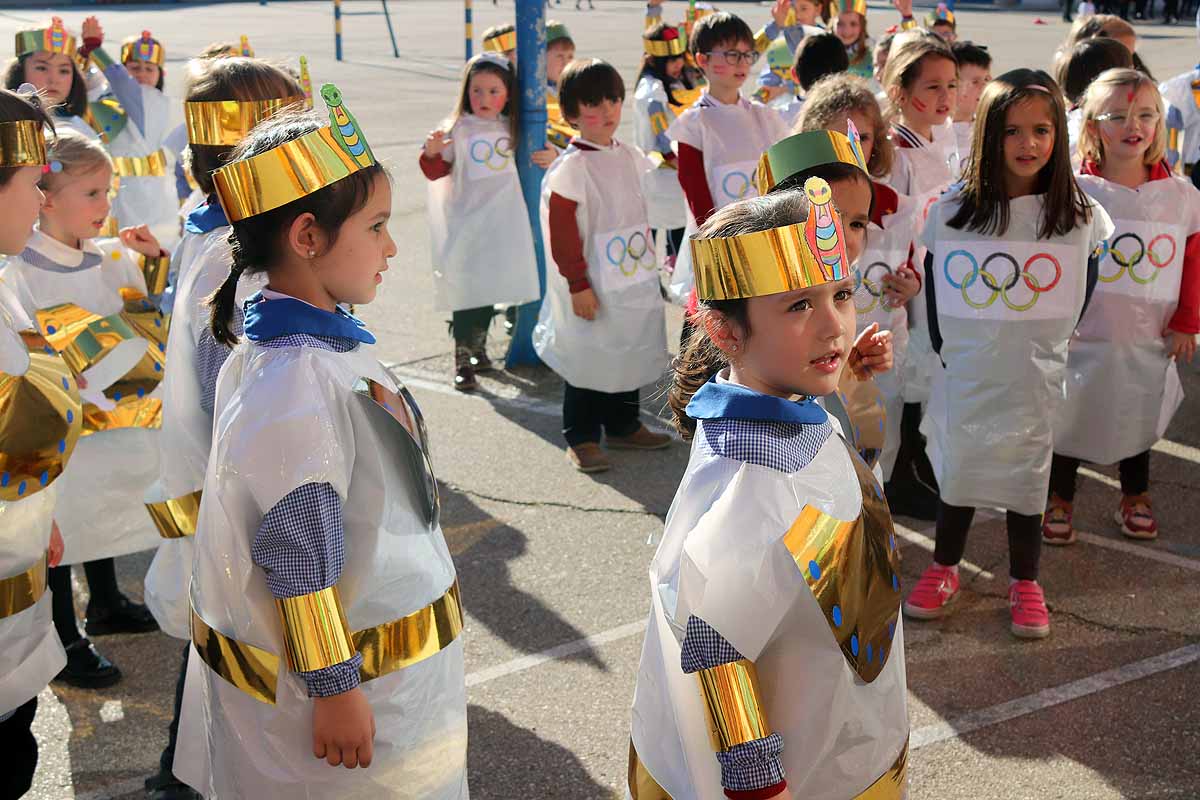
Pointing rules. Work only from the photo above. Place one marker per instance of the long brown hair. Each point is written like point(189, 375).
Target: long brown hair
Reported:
point(984, 195)
point(486, 62)
point(76, 103)
point(700, 359)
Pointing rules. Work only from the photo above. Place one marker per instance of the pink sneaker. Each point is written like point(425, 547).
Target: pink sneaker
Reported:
point(1030, 619)
point(935, 590)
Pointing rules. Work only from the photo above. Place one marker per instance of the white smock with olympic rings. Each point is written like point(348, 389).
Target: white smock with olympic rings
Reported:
point(886, 251)
point(731, 137)
point(478, 225)
point(1122, 388)
point(625, 346)
point(1006, 308)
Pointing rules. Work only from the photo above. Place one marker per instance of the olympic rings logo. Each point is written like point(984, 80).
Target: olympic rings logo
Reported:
point(740, 184)
point(495, 157)
point(1128, 262)
point(874, 288)
point(629, 254)
point(1035, 285)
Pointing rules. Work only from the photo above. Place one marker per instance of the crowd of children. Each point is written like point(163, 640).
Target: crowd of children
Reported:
point(908, 288)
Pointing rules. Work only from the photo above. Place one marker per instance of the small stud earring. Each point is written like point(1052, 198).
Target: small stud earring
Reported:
point(735, 348)
point(312, 253)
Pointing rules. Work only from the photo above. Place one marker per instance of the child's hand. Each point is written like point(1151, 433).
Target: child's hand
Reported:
point(435, 143)
point(92, 30)
point(779, 11)
point(55, 555)
point(81, 381)
point(344, 729)
point(900, 286)
point(140, 238)
point(544, 158)
point(872, 352)
point(584, 304)
point(904, 7)
point(1182, 346)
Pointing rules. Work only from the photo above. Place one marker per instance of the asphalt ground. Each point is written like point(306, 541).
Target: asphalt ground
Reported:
point(553, 563)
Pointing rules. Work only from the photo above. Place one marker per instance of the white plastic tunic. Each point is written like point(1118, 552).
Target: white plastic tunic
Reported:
point(482, 244)
point(186, 435)
point(1122, 388)
point(149, 199)
point(665, 205)
point(286, 417)
point(625, 346)
point(100, 507)
point(1006, 308)
point(723, 558)
point(732, 137)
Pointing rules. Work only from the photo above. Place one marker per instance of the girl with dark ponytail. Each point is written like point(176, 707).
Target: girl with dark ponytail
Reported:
point(318, 544)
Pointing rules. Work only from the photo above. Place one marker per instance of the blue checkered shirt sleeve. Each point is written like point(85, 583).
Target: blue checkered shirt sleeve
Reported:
point(750, 765)
point(210, 357)
point(301, 546)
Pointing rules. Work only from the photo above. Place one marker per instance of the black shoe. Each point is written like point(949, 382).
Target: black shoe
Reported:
point(126, 617)
point(86, 668)
point(174, 791)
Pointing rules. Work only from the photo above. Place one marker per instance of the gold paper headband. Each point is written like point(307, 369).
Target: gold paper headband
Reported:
point(783, 259)
point(665, 48)
point(226, 122)
point(297, 168)
point(142, 48)
point(54, 39)
point(22, 144)
point(500, 42)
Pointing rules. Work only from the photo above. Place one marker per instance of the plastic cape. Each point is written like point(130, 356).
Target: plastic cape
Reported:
point(286, 417)
point(74, 123)
point(1005, 328)
point(923, 173)
point(1122, 386)
point(1179, 95)
point(963, 133)
point(665, 205)
point(732, 137)
point(100, 494)
point(625, 346)
point(723, 559)
point(149, 199)
point(886, 251)
point(482, 244)
point(186, 435)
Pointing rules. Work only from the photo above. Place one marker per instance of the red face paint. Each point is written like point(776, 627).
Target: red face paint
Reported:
point(919, 106)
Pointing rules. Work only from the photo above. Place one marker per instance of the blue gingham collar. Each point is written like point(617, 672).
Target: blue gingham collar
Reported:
point(720, 399)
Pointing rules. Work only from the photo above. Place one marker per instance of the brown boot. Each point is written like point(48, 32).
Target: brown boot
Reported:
point(464, 373)
point(588, 457)
point(641, 439)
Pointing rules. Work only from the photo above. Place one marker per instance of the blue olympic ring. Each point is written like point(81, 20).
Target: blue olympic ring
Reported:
point(745, 184)
point(501, 148)
point(636, 248)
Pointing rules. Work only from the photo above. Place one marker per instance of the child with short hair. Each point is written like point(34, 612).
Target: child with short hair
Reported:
point(502, 39)
point(792, 21)
point(974, 72)
point(720, 138)
point(601, 326)
point(764, 673)
point(560, 51)
point(1011, 264)
point(817, 57)
point(1122, 383)
point(35, 384)
point(326, 617)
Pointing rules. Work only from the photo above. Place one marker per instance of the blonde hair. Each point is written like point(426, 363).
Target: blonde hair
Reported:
point(903, 67)
point(835, 95)
point(72, 153)
point(1091, 146)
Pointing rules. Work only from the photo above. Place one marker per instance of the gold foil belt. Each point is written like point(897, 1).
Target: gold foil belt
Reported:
point(642, 785)
point(732, 704)
point(176, 518)
point(385, 648)
point(22, 144)
point(315, 632)
point(153, 165)
point(21, 591)
point(891, 784)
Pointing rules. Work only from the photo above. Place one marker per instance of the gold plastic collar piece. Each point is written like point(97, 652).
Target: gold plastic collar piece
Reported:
point(153, 165)
point(81, 336)
point(501, 43)
point(224, 123)
point(732, 704)
point(315, 632)
point(22, 144)
point(176, 518)
point(21, 591)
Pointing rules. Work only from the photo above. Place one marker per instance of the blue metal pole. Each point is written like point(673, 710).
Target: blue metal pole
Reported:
point(337, 29)
point(469, 27)
point(531, 79)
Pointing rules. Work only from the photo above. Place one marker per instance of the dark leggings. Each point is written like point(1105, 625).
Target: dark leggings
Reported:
point(1024, 539)
point(1134, 472)
point(20, 751)
point(102, 587)
point(471, 324)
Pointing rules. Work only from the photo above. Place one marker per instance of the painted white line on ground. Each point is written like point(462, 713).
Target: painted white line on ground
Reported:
point(926, 543)
point(1056, 695)
point(1178, 450)
point(112, 711)
point(554, 653)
